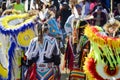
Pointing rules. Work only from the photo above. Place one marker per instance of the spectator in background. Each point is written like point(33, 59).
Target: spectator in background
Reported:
point(117, 11)
point(99, 17)
point(19, 6)
point(93, 3)
point(55, 3)
point(99, 3)
point(3, 7)
point(65, 12)
point(115, 2)
point(85, 7)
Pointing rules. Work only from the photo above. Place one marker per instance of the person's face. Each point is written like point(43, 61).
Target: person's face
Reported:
point(18, 1)
point(79, 11)
point(99, 11)
point(53, 9)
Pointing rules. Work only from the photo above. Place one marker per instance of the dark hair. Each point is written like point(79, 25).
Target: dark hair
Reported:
point(40, 33)
point(42, 28)
point(39, 27)
point(45, 28)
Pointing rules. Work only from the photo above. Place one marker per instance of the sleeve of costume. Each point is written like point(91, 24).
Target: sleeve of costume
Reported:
point(54, 30)
point(68, 25)
point(31, 52)
point(56, 54)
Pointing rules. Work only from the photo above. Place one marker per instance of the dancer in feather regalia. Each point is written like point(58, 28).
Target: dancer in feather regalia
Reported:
point(16, 31)
point(103, 62)
point(44, 52)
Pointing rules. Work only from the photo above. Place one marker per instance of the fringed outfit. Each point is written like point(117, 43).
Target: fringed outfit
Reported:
point(48, 59)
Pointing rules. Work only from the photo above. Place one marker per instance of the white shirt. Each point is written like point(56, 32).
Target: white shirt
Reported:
point(68, 24)
point(45, 49)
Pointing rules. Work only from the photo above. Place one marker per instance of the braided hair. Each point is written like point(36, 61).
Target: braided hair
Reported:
point(42, 28)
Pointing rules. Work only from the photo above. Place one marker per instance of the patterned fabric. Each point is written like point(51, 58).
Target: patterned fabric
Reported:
point(68, 25)
point(45, 73)
point(77, 73)
point(53, 27)
point(48, 52)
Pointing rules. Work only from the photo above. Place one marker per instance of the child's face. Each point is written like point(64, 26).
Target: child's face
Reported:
point(79, 11)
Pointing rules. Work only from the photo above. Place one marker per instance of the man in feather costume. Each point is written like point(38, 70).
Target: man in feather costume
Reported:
point(44, 50)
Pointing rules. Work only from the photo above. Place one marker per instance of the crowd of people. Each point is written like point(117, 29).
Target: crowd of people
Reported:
point(60, 30)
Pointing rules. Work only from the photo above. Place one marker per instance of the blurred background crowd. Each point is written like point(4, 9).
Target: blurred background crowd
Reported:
point(63, 16)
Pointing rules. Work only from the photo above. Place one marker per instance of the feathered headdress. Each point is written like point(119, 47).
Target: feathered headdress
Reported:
point(115, 25)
